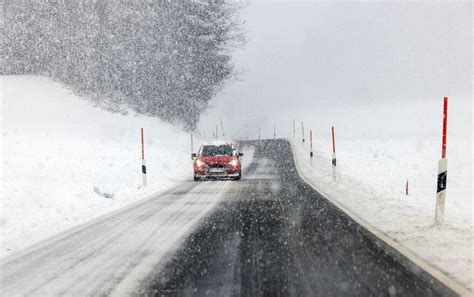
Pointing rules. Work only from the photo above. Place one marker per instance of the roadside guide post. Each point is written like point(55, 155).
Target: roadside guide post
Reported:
point(442, 171)
point(294, 129)
point(222, 128)
point(333, 155)
point(143, 160)
point(192, 145)
point(302, 131)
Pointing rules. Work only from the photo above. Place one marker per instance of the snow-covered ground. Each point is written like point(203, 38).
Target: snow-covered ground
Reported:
point(381, 146)
point(91, 260)
point(59, 152)
point(56, 149)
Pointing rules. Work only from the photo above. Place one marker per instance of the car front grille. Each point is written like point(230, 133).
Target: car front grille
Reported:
point(217, 165)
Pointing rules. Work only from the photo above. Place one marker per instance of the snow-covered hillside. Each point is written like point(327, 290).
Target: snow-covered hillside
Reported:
point(59, 152)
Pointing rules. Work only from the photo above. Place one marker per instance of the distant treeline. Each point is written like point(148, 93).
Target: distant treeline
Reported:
point(162, 58)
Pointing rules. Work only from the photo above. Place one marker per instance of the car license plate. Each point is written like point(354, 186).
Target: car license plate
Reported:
point(217, 170)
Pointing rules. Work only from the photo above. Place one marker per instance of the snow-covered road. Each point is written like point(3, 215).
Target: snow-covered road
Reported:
point(111, 255)
point(274, 235)
point(269, 234)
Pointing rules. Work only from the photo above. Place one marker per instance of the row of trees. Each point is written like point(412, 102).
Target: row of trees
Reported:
point(162, 58)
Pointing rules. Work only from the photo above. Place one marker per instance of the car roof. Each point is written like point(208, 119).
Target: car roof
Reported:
point(218, 142)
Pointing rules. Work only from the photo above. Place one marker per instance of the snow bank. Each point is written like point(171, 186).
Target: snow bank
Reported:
point(62, 157)
point(378, 148)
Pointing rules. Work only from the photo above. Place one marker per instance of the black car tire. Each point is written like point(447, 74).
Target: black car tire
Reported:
point(238, 177)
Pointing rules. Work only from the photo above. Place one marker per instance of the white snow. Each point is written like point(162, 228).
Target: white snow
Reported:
point(378, 148)
point(57, 147)
point(93, 260)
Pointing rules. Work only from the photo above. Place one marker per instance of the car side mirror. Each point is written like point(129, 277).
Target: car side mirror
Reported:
point(193, 155)
point(241, 154)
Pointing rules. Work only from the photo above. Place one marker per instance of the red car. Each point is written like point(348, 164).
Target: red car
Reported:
point(217, 160)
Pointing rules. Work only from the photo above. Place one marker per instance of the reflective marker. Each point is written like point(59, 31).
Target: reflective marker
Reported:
point(442, 171)
point(143, 160)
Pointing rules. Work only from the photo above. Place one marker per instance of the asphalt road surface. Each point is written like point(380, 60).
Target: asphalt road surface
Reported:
point(273, 235)
point(269, 234)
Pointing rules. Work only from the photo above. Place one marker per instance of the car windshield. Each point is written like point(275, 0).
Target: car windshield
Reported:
point(216, 150)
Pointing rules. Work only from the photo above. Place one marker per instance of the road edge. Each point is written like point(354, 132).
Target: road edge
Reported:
point(81, 226)
point(407, 258)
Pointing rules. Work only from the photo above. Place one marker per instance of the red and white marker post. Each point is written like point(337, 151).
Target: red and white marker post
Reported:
point(222, 128)
point(442, 171)
point(294, 129)
point(143, 160)
point(311, 143)
point(192, 144)
point(333, 148)
point(302, 131)
point(333, 155)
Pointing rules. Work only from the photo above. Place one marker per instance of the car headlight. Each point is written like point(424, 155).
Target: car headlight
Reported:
point(200, 163)
point(233, 163)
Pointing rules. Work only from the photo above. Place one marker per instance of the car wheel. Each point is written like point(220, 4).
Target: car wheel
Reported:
point(196, 178)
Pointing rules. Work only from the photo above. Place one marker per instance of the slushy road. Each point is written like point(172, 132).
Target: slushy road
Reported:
point(273, 235)
point(114, 254)
point(269, 234)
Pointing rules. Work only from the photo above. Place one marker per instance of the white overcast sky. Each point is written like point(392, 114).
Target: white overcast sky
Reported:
point(307, 54)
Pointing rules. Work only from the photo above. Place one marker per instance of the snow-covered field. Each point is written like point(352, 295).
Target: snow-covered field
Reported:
point(57, 148)
point(379, 147)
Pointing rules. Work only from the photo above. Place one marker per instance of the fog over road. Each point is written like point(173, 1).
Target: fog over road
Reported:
point(268, 235)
